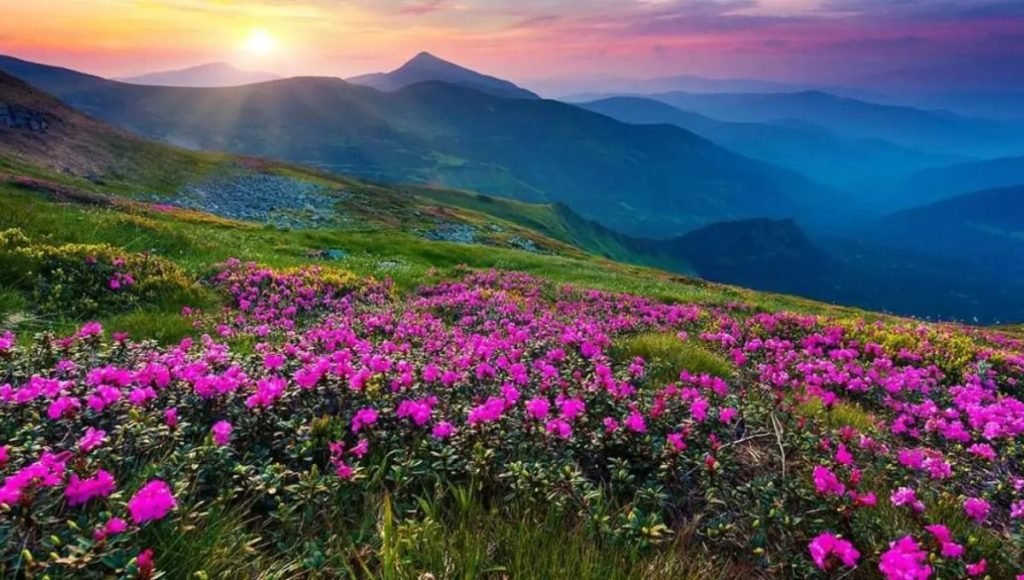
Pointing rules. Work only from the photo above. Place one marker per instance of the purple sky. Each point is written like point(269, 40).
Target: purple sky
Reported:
point(805, 40)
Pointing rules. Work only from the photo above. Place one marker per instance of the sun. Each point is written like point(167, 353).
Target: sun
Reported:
point(260, 41)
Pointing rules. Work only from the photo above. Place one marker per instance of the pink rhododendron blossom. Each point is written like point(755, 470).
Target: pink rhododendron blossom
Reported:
point(906, 496)
point(905, 560)
point(152, 502)
point(221, 432)
point(977, 509)
point(443, 430)
point(827, 545)
point(80, 491)
point(363, 418)
point(635, 423)
point(826, 482)
point(113, 527)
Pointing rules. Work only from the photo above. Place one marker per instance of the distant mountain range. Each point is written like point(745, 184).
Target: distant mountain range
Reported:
point(45, 143)
point(214, 74)
point(931, 131)
point(426, 67)
point(823, 155)
point(649, 180)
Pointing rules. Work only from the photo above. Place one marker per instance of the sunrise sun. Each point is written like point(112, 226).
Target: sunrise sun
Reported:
point(260, 41)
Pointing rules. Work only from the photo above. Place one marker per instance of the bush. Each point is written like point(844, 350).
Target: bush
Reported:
point(80, 281)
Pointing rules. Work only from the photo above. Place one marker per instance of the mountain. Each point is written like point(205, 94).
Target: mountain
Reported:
point(57, 153)
point(426, 67)
point(818, 153)
point(37, 129)
point(932, 185)
point(648, 180)
point(214, 74)
point(984, 228)
point(931, 131)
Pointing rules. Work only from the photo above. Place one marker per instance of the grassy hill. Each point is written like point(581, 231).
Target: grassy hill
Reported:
point(651, 181)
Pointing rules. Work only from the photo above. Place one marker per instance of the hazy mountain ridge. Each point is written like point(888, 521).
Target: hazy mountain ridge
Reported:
point(821, 154)
point(214, 74)
point(930, 131)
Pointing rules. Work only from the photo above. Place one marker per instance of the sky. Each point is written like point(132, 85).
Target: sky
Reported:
point(795, 40)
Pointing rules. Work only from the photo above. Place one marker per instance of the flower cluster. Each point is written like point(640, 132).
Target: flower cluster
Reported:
point(314, 389)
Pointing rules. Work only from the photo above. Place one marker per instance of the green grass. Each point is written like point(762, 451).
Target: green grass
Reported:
point(841, 414)
point(666, 356)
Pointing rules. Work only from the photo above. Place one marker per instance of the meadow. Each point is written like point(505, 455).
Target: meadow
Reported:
point(185, 396)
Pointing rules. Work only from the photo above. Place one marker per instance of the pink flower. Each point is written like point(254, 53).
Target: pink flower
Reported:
point(4, 456)
point(977, 569)
point(560, 428)
point(727, 414)
point(635, 423)
point(171, 418)
point(948, 548)
point(905, 560)
point(538, 409)
point(826, 545)
point(677, 441)
point(977, 509)
point(113, 527)
point(443, 430)
point(146, 564)
point(571, 408)
point(843, 455)
point(221, 432)
point(905, 496)
point(826, 482)
point(90, 330)
point(152, 502)
point(80, 491)
point(92, 439)
point(365, 417)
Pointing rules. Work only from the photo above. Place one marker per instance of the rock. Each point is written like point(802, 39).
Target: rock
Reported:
point(452, 232)
point(277, 200)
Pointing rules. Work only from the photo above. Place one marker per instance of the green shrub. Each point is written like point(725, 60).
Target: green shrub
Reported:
point(77, 281)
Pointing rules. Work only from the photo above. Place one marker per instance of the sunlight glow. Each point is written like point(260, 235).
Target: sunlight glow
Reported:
point(260, 41)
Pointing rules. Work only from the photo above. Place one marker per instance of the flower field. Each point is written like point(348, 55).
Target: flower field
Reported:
point(325, 422)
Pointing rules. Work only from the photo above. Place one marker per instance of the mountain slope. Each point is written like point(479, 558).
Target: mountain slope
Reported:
point(984, 228)
point(335, 216)
point(939, 183)
point(818, 153)
point(937, 132)
point(648, 180)
point(214, 74)
point(426, 67)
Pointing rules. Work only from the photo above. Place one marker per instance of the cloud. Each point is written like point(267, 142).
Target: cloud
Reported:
point(425, 7)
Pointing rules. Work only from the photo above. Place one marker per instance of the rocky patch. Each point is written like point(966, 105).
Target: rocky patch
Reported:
point(261, 197)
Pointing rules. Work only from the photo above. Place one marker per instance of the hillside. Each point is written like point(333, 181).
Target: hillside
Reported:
point(818, 153)
point(646, 180)
point(425, 67)
point(932, 185)
point(214, 74)
point(984, 228)
point(933, 132)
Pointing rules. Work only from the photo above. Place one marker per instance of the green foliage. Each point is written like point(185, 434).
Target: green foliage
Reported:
point(666, 355)
point(78, 281)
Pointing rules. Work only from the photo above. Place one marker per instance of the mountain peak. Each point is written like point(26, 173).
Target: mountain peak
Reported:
point(427, 67)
